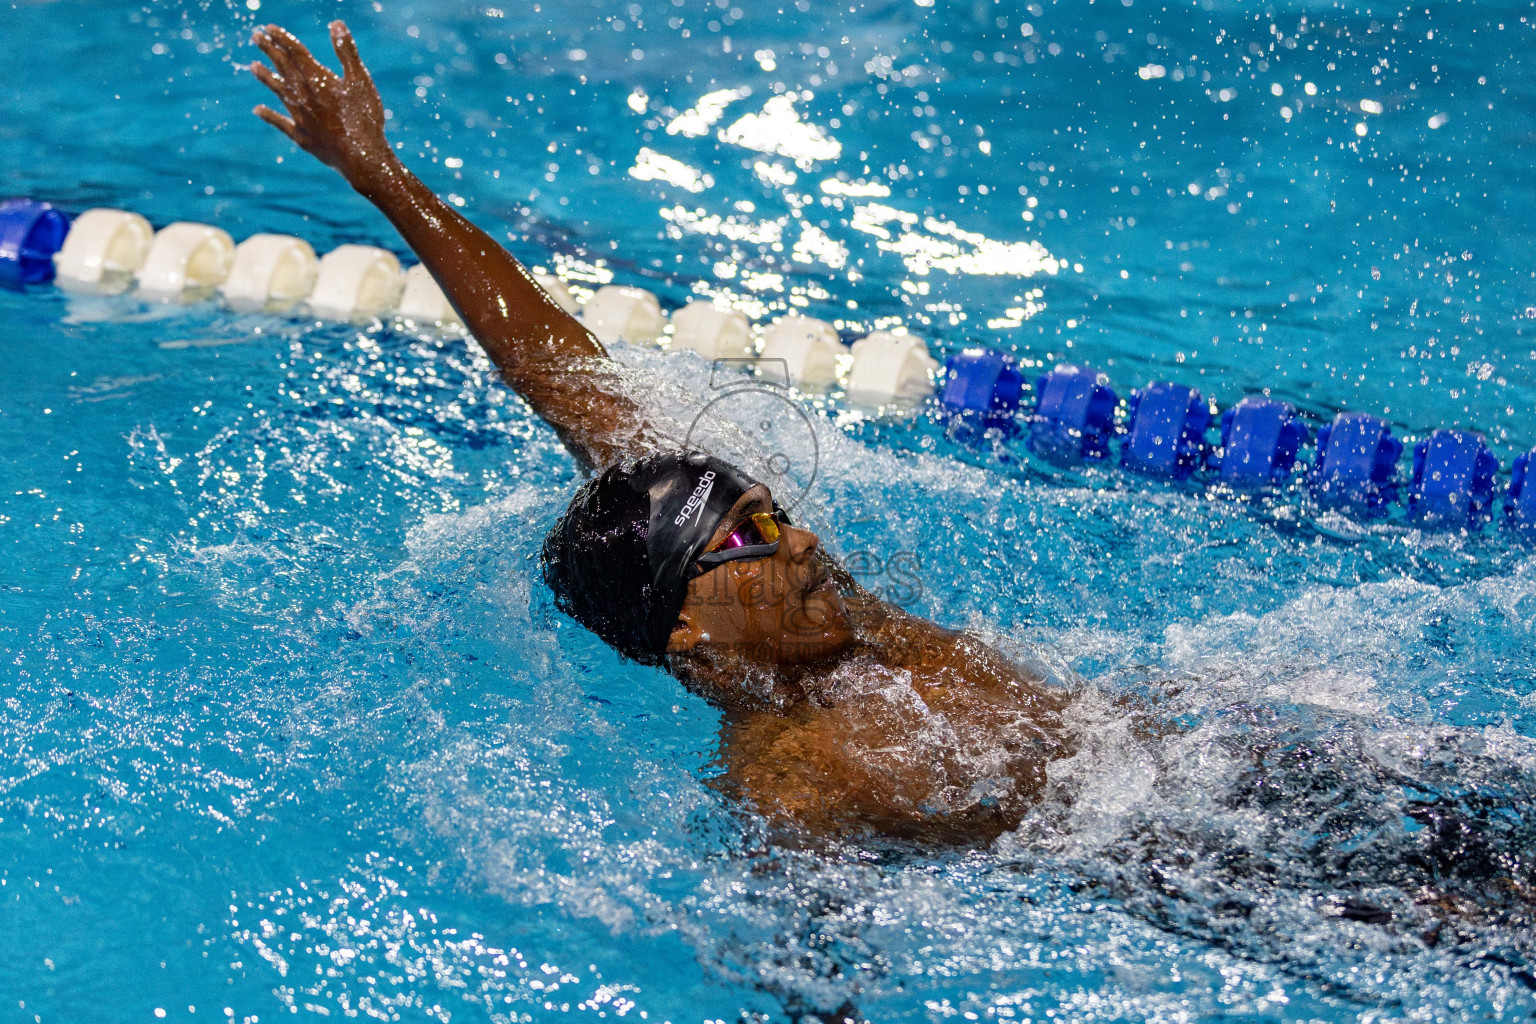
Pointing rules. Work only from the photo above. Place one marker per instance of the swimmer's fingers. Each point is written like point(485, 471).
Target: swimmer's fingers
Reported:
point(299, 57)
point(264, 75)
point(276, 120)
point(295, 84)
point(346, 51)
point(292, 93)
point(284, 81)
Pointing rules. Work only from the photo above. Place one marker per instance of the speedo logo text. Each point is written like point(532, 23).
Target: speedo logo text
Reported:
point(697, 499)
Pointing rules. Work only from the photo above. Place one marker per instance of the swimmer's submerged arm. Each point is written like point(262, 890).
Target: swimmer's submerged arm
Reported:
point(541, 350)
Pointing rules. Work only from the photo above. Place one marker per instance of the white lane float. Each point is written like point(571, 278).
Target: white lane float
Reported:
point(270, 273)
point(557, 290)
point(621, 312)
point(186, 259)
point(103, 249)
point(356, 281)
point(810, 349)
point(711, 331)
point(890, 367)
point(423, 301)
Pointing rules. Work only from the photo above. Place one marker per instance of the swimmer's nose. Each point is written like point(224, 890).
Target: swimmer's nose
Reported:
point(800, 544)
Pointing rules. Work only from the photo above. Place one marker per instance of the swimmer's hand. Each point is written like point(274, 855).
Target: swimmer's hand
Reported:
point(339, 119)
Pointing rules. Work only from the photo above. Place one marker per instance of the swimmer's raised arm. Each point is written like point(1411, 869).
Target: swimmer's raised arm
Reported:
point(541, 350)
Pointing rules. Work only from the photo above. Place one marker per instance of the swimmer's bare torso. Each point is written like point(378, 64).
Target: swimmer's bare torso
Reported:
point(910, 730)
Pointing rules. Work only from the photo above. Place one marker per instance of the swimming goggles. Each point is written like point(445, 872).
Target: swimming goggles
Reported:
point(756, 536)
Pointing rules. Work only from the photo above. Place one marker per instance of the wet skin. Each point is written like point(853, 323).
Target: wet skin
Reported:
point(844, 714)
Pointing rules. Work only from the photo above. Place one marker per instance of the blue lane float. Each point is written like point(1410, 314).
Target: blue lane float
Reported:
point(1166, 436)
point(1356, 464)
point(1454, 479)
point(981, 382)
point(1259, 441)
point(30, 233)
point(1520, 502)
point(1074, 415)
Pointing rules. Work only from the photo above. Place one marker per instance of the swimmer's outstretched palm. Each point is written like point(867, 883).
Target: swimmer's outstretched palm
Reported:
point(339, 119)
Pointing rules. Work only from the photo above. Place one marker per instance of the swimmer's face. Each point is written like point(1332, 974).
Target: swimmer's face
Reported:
point(782, 610)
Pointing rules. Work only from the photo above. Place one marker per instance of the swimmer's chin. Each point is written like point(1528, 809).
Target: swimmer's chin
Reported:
point(767, 675)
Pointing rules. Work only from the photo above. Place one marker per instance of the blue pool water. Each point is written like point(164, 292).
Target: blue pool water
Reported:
point(290, 728)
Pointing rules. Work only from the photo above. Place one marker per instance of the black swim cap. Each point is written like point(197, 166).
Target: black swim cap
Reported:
point(618, 558)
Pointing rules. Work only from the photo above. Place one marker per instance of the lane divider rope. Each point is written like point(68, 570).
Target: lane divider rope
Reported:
point(1162, 430)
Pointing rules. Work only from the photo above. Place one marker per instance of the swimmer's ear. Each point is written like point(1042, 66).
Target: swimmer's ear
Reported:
point(685, 636)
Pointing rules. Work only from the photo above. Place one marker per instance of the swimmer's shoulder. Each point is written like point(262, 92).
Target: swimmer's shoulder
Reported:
point(949, 664)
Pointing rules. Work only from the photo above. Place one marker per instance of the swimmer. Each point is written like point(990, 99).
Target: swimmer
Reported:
point(844, 715)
